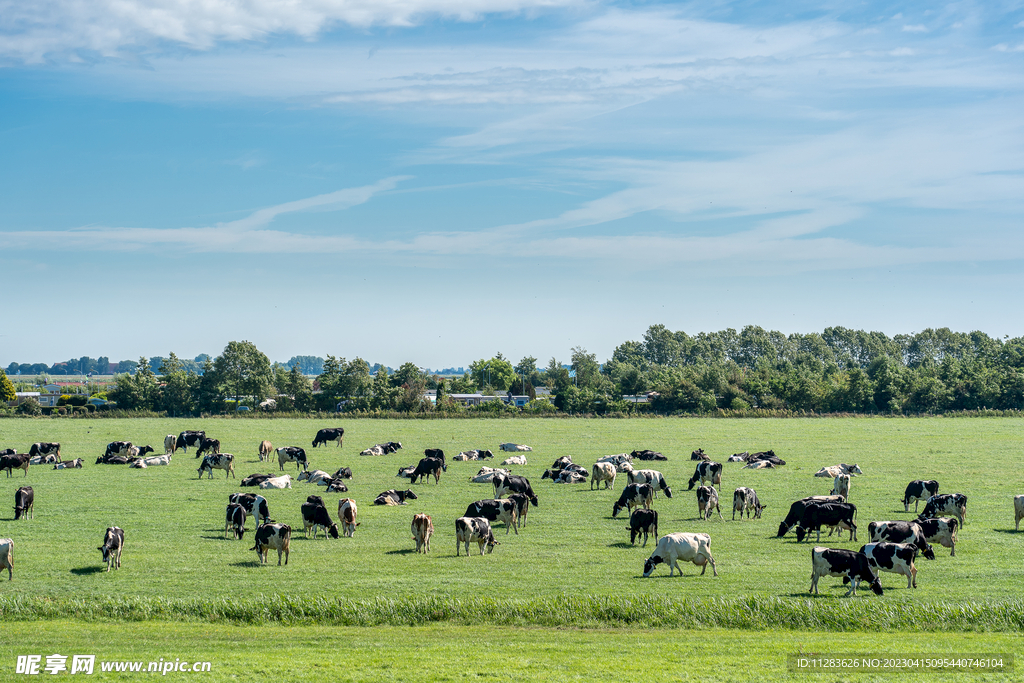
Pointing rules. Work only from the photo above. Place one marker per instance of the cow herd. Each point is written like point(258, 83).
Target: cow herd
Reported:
point(893, 546)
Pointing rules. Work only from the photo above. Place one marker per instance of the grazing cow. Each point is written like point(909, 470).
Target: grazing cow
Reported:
point(316, 500)
point(255, 505)
point(513, 483)
point(841, 486)
point(282, 482)
point(43, 459)
point(208, 446)
point(817, 515)
point(705, 472)
point(847, 563)
point(522, 502)
point(118, 448)
point(69, 464)
point(634, 496)
point(235, 521)
point(220, 461)
point(495, 511)
point(316, 517)
point(265, 449)
point(566, 476)
point(603, 471)
point(170, 444)
point(189, 438)
point(45, 448)
point(1018, 511)
point(941, 530)
point(292, 454)
point(422, 528)
point(342, 473)
point(946, 504)
point(796, 510)
point(486, 475)
point(347, 513)
point(835, 470)
point(18, 461)
point(24, 502)
point(393, 497)
point(255, 479)
point(707, 500)
point(642, 522)
point(901, 532)
point(619, 460)
point(918, 490)
point(113, 544)
point(335, 486)
point(335, 434)
point(515, 460)
point(759, 465)
point(744, 500)
point(468, 529)
point(894, 558)
point(699, 454)
point(513, 448)
point(687, 547)
point(7, 557)
point(273, 537)
point(647, 455)
point(313, 477)
point(652, 477)
point(154, 461)
point(426, 468)
point(406, 471)
point(7, 451)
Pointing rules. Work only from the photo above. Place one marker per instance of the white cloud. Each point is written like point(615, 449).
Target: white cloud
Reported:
point(915, 28)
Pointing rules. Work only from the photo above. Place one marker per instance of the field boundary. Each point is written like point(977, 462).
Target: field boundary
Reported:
point(577, 611)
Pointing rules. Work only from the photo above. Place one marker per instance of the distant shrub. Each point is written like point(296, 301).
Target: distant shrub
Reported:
point(30, 407)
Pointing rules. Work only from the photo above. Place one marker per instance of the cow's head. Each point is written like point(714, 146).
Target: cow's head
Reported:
point(652, 562)
point(693, 480)
point(333, 531)
point(668, 492)
point(800, 534)
point(409, 495)
point(616, 508)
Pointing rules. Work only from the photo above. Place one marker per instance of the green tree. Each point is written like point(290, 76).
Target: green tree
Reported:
point(384, 396)
point(178, 396)
point(208, 396)
point(7, 392)
point(245, 371)
point(138, 391)
point(408, 374)
point(496, 373)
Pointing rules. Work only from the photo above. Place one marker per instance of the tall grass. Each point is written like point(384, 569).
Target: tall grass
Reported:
point(583, 611)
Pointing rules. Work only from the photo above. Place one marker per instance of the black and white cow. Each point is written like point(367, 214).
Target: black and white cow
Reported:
point(18, 461)
point(342, 473)
point(941, 530)
point(652, 477)
point(642, 522)
point(513, 483)
point(113, 544)
point(707, 501)
point(705, 472)
point(796, 511)
point(170, 444)
point(315, 516)
point(562, 463)
point(24, 502)
point(522, 502)
point(854, 566)
point(393, 497)
point(469, 529)
point(112, 460)
point(7, 451)
point(273, 537)
point(745, 499)
point(893, 558)
point(571, 475)
point(255, 479)
point(235, 521)
point(901, 532)
point(75, 464)
point(406, 471)
point(918, 490)
point(647, 454)
point(335, 486)
point(428, 467)
point(634, 496)
point(189, 438)
point(117, 448)
point(44, 448)
point(496, 510)
point(208, 446)
point(603, 471)
point(687, 547)
point(219, 461)
point(255, 505)
point(817, 515)
point(699, 454)
point(292, 454)
point(954, 504)
point(335, 434)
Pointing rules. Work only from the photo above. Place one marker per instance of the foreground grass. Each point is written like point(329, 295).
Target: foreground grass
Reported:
point(458, 653)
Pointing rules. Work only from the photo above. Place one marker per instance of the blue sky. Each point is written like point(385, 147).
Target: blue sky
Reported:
point(436, 181)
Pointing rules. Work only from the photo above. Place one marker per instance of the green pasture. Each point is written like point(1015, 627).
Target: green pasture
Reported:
point(450, 652)
point(174, 523)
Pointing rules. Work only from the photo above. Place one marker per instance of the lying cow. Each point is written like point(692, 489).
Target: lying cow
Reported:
point(495, 511)
point(954, 504)
point(373, 450)
point(313, 477)
point(647, 455)
point(24, 502)
point(699, 454)
point(473, 455)
point(705, 472)
point(512, 447)
point(707, 501)
point(478, 529)
point(422, 528)
point(282, 482)
point(347, 513)
point(745, 500)
point(834, 471)
point(255, 479)
point(486, 475)
point(69, 464)
point(393, 497)
point(113, 544)
point(45, 448)
point(273, 537)
point(619, 460)
point(43, 459)
point(342, 473)
point(687, 547)
point(633, 496)
point(406, 472)
point(894, 558)
point(515, 460)
point(901, 532)
point(565, 476)
point(220, 461)
point(603, 472)
point(846, 563)
point(759, 465)
point(642, 522)
point(918, 490)
point(562, 463)
point(334, 486)
point(154, 461)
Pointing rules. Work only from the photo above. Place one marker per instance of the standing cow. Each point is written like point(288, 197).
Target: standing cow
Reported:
point(273, 537)
point(422, 528)
point(335, 434)
point(469, 529)
point(687, 547)
point(264, 450)
point(113, 544)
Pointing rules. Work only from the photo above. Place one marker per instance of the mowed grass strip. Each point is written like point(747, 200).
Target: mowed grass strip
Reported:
point(458, 653)
point(570, 546)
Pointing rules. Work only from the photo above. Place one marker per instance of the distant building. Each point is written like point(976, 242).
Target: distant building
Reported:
point(44, 400)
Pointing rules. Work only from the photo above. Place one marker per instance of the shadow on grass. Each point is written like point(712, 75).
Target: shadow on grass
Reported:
point(620, 544)
point(403, 551)
point(249, 563)
point(1007, 531)
point(86, 571)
